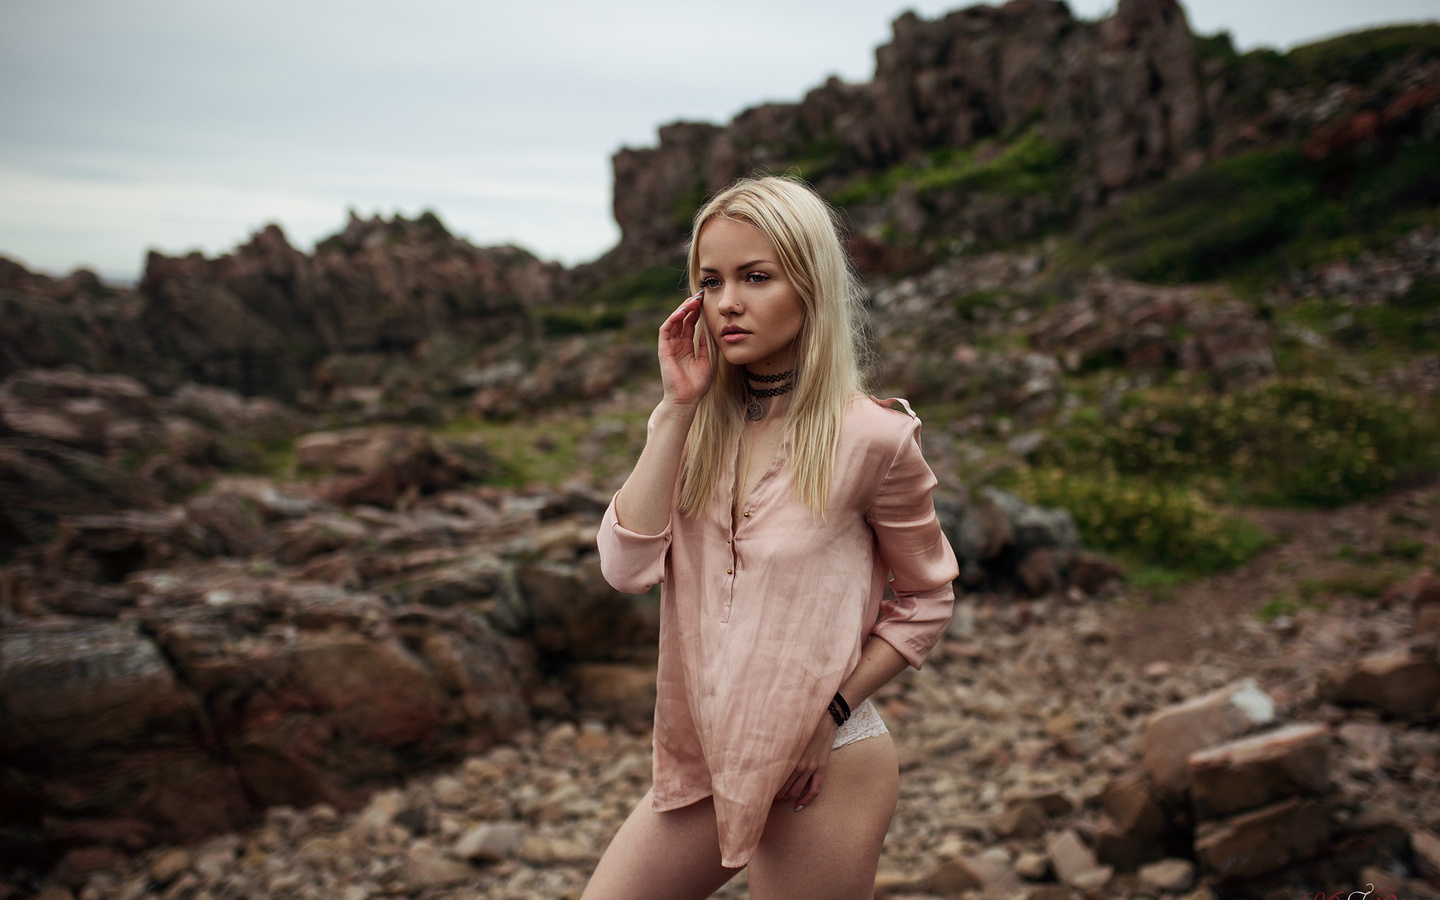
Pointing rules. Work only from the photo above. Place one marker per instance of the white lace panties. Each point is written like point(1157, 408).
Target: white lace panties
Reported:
point(863, 723)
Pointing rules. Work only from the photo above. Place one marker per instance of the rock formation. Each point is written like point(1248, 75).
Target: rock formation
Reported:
point(1124, 98)
point(258, 319)
point(1109, 106)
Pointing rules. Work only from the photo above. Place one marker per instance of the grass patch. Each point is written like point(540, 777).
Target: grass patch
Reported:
point(1357, 58)
point(1301, 443)
point(1162, 528)
point(1369, 585)
point(611, 304)
point(1276, 607)
point(1409, 324)
point(1253, 217)
point(1031, 164)
point(1404, 548)
point(972, 306)
point(553, 450)
point(1361, 57)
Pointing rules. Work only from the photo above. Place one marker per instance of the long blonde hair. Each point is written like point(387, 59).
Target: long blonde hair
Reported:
point(805, 232)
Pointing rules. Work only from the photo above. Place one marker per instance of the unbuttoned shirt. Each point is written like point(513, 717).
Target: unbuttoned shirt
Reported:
point(764, 613)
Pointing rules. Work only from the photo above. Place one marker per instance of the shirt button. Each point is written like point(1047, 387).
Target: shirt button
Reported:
point(729, 571)
point(747, 513)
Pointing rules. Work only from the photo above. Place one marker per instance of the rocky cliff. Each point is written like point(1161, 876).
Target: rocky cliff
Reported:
point(1124, 99)
point(993, 124)
point(259, 318)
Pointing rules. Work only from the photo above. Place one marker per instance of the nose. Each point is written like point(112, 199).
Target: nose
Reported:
point(727, 301)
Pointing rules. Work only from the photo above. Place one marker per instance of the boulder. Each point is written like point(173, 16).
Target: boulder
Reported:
point(1288, 762)
point(1175, 732)
point(1172, 876)
point(1001, 539)
point(96, 728)
point(68, 688)
point(615, 692)
point(42, 482)
point(577, 616)
point(378, 466)
point(228, 691)
point(1073, 861)
point(1132, 829)
point(491, 841)
point(1401, 683)
point(955, 877)
point(1425, 845)
point(1263, 840)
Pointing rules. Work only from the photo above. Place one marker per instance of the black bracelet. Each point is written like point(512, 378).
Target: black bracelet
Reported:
point(839, 710)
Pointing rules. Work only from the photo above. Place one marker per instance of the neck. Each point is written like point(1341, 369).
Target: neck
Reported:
point(767, 395)
point(779, 374)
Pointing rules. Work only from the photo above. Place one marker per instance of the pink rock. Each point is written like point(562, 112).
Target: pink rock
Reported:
point(1426, 847)
point(1072, 861)
point(1260, 769)
point(1178, 731)
point(1132, 828)
point(1263, 840)
point(956, 876)
point(1401, 683)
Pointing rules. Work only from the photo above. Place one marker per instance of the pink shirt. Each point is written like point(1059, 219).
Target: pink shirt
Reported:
point(761, 622)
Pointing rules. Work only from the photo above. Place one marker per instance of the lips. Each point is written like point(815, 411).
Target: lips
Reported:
point(732, 334)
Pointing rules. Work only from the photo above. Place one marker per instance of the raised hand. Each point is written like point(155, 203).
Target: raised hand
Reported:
point(684, 370)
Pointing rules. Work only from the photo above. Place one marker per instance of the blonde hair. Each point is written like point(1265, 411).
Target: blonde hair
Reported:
point(805, 232)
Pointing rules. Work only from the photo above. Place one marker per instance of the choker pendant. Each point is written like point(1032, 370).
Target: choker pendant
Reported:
point(753, 410)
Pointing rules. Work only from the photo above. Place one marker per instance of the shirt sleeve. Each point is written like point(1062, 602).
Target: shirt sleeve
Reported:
point(914, 546)
point(633, 563)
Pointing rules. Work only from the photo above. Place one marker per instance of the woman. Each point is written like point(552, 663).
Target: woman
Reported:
point(773, 499)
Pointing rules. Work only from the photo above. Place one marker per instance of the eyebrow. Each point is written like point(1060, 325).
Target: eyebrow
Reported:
point(749, 265)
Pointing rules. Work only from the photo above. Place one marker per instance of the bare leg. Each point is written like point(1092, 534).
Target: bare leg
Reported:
point(672, 855)
point(830, 850)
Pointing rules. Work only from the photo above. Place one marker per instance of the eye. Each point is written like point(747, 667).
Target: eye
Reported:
point(757, 277)
point(710, 283)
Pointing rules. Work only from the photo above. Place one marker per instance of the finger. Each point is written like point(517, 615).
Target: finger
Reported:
point(688, 306)
point(680, 312)
point(796, 785)
point(813, 792)
point(702, 351)
point(788, 790)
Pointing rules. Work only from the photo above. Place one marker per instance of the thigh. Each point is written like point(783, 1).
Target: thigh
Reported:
point(829, 851)
point(671, 855)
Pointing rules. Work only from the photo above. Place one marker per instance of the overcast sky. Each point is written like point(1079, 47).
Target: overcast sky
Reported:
point(188, 124)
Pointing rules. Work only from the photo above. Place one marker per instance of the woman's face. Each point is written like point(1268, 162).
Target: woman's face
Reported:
point(751, 307)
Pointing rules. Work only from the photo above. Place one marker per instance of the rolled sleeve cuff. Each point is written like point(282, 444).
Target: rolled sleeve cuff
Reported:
point(633, 563)
point(913, 623)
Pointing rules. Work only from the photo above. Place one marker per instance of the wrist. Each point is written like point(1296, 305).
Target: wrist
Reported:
point(676, 410)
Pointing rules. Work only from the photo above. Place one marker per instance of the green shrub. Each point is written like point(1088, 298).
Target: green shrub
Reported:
point(1286, 443)
point(1170, 527)
point(1210, 222)
point(607, 306)
point(1408, 324)
point(1361, 57)
point(1031, 164)
point(1263, 213)
point(1275, 607)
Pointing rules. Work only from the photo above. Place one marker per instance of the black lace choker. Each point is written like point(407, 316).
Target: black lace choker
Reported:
point(753, 410)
